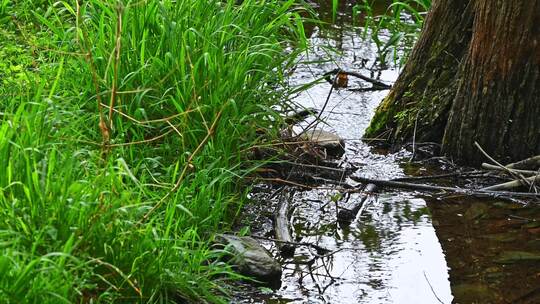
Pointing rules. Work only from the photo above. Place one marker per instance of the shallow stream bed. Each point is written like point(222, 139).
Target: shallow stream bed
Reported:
point(405, 246)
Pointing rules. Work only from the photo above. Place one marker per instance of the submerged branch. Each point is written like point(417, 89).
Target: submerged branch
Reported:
point(282, 227)
point(347, 216)
point(439, 176)
point(314, 246)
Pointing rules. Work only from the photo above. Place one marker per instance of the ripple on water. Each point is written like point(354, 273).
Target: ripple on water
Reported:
point(391, 253)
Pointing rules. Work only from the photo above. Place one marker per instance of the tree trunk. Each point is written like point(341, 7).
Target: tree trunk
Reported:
point(474, 75)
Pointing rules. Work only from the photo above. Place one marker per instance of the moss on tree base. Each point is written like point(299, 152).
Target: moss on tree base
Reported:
point(419, 102)
point(473, 76)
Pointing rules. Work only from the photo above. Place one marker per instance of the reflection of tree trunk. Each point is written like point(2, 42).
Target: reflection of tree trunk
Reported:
point(474, 75)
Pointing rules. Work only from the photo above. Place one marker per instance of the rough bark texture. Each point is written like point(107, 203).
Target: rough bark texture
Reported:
point(423, 92)
point(498, 98)
point(474, 75)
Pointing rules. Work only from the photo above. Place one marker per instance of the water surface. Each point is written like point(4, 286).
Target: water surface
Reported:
point(390, 254)
point(405, 246)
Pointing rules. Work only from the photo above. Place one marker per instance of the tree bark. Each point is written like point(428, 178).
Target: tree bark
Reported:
point(474, 75)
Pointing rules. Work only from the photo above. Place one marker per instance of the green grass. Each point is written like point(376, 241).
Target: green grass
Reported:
point(394, 32)
point(124, 131)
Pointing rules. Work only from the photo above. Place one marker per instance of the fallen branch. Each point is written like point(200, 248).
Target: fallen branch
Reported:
point(371, 89)
point(346, 215)
point(531, 162)
point(513, 184)
point(497, 168)
point(281, 226)
point(342, 171)
point(515, 175)
point(439, 176)
point(375, 82)
point(469, 192)
point(314, 246)
point(322, 180)
point(282, 181)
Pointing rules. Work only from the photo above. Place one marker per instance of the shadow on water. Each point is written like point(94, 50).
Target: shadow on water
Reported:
point(492, 248)
point(391, 253)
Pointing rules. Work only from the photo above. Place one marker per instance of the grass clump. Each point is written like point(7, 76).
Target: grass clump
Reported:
point(123, 135)
point(395, 31)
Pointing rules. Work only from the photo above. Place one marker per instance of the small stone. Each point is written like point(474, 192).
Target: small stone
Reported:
point(332, 143)
point(251, 259)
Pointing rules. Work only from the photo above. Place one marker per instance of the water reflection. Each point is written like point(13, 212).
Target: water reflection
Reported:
point(390, 254)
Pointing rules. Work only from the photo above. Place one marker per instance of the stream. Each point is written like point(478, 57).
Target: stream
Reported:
point(405, 246)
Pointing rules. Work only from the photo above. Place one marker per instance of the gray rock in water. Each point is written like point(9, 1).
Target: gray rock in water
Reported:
point(332, 143)
point(251, 259)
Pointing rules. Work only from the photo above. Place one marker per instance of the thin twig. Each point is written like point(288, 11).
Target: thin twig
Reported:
point(314, 246)
point(323, 108)
point(140, 141)
point(144, 122)
point(117, 48)
point(186, 166)
point(119, 271)
point(174, 128)
point(515, 175)
point(432, 290)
